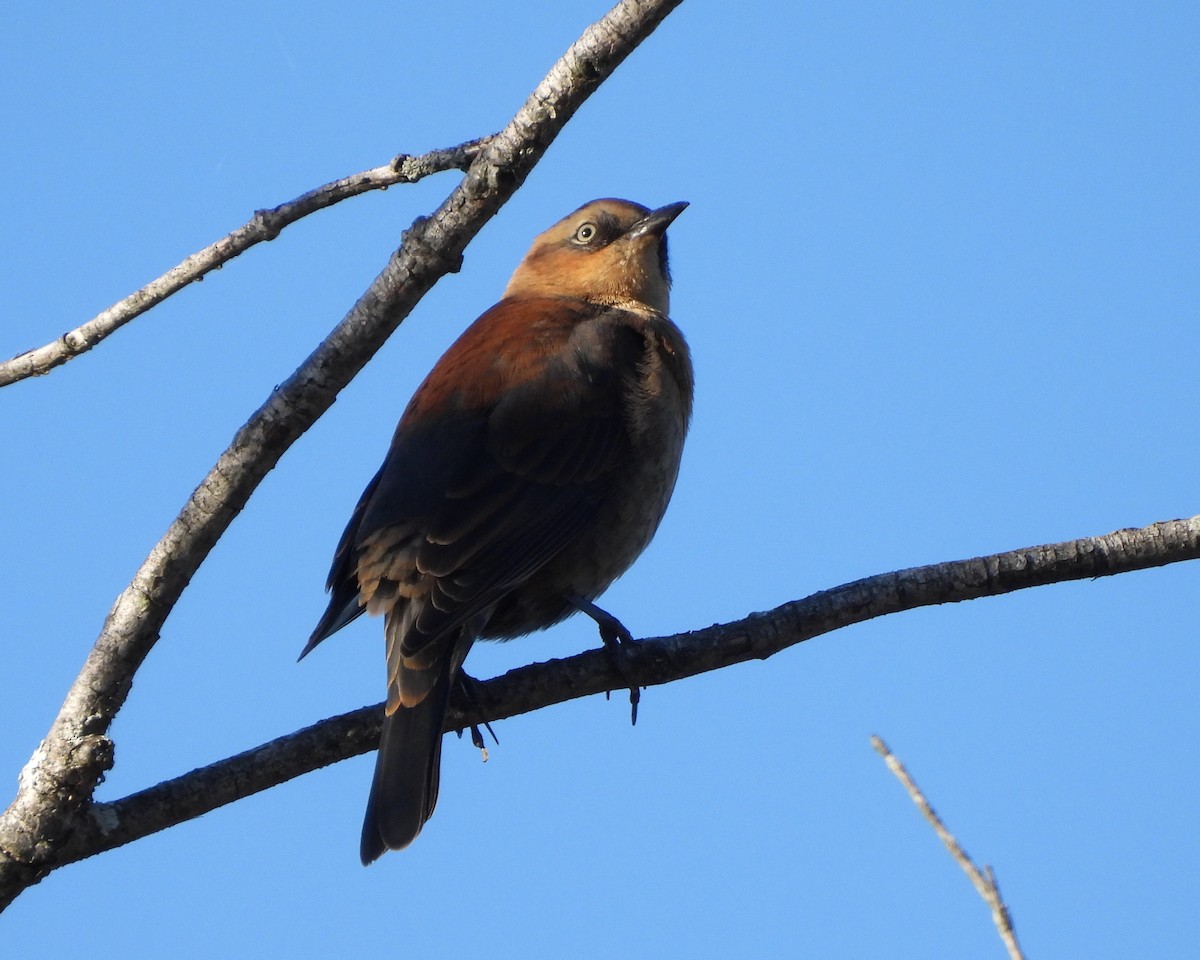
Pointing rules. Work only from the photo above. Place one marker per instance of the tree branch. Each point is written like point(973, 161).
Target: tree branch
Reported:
point(56, 785)
point(263, 226)
point(984, 880)
point(651, 662)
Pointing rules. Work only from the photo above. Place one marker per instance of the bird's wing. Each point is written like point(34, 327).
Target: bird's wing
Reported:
point(499, 461)
point(342, 582)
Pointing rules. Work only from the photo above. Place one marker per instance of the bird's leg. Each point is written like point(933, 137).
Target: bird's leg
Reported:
point(617, 639)
point(467, 685)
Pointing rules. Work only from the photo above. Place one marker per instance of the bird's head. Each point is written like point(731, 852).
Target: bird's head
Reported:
point(607, 251)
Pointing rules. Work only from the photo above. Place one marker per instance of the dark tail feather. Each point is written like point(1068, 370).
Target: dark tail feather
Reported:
point(405, 789)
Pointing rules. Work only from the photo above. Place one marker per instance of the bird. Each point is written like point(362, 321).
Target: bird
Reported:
point(529, 470)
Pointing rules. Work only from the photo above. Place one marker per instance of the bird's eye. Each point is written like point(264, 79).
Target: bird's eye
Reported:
point(586, 232)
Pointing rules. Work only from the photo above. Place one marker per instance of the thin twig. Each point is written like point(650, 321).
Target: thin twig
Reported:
point(984, 880)
point(651, 662)
point(263, 226)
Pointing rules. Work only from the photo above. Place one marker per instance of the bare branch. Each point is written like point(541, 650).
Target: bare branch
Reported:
point(58, 782)
point(264, 225)
point(985, 880)
point(651, 662)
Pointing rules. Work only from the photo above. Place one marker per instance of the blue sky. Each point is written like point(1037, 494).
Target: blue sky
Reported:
point(940, 277)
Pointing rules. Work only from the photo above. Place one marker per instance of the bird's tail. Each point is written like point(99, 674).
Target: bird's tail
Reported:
point(405, 789)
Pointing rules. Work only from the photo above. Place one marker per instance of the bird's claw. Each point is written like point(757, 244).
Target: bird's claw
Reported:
point(617, 641)
point(477, 740)
point(468, 684)
point(618, 646)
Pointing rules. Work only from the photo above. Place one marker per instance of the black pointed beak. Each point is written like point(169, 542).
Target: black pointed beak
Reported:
point(655, 223)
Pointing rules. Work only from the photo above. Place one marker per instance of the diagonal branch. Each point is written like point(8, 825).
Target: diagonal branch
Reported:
point(651, 662)
point(56, 785)
point(984, 880)
point(264, 225)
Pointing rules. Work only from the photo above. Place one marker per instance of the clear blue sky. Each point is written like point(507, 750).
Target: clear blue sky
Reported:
point(940, 276)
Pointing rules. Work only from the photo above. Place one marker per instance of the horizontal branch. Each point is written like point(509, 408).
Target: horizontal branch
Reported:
point(263, 226)
point(651, 662)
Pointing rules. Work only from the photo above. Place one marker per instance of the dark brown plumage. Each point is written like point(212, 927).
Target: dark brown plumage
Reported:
point(527, 473)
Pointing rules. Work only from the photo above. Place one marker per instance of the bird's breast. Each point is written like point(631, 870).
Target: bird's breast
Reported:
point(655, 399)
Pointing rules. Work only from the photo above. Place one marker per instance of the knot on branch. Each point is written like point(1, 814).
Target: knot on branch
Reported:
point(269, 223)
point(89, 758)
point(417, 245)
point(399, 167)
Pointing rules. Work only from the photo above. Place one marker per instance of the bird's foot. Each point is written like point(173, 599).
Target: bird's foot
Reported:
point(468, 686)
point(617, 641)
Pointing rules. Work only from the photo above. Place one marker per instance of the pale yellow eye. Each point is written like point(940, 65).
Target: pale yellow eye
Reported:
point(586, 232)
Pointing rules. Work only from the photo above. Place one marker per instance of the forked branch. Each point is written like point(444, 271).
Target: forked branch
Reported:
point(56, 786)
